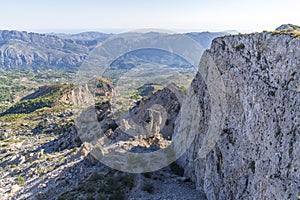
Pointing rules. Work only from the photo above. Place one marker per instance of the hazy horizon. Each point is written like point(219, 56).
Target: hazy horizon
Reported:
point(117, 31)
point(117, 16)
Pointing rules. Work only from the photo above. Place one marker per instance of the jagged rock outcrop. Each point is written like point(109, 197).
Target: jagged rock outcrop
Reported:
point(256, 153)
point(144, 112)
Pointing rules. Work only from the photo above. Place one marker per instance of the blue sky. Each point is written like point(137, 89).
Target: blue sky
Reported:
point(123, 15)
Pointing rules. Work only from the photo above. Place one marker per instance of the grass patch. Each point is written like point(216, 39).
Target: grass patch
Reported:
point(12, 140)
point(12, 117)
point(21, 180)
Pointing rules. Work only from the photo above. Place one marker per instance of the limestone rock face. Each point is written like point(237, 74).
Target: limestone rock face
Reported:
point(254, 154)
point(146, 112)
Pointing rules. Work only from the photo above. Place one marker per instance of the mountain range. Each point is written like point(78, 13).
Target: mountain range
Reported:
point(24, 50)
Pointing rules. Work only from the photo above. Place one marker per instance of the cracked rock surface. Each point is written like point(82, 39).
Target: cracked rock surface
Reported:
point(256, 153)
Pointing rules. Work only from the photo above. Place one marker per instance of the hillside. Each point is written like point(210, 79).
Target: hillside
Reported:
point(16, 84)
point(46, 96)
point(44, 157)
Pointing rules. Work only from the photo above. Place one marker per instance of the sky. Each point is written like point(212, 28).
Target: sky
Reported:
point(125, 15)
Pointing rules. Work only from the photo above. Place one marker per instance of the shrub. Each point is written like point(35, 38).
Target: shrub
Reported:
point(118, 195)
point(252, 166)
point(21, 180)
point(176, 169)
point(90, 197)
point(41, 171)
point(147, 175)
point(148, 188)
point(128, 181)
point(240, 47)
point(13, 166)
point(61, 197)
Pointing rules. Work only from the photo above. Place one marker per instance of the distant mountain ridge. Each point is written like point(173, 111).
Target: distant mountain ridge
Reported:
point(91, 35)
point(39, 51)
point(205, 38)
point(24, 50)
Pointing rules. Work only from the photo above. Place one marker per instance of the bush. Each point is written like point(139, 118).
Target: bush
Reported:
point(95, 176)
point(148, 188)
point(90, 197)
point(118, 195)
point(240, 47)
point(128, 181)
point(147, 175)
point(176, 169)
point(61, 197)
point(21, 180)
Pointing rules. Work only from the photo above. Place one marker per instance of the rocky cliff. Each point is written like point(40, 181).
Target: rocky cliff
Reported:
point(252, 151)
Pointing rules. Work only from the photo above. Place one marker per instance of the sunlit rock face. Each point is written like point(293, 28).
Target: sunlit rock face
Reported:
point(255, 154)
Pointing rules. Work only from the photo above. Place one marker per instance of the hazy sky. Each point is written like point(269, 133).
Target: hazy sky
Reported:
point(176, 15)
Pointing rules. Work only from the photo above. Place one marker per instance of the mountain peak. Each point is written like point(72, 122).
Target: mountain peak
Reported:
point(288, 27)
